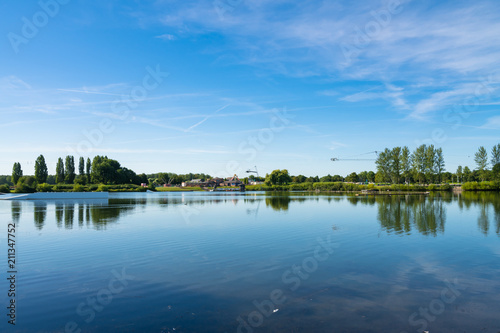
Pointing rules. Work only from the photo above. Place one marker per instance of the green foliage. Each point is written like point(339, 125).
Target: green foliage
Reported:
point(78, 188)
point(26, 184)
point(4, 189)
point(495, 155)
point(41, 171)
point(278, 177)
point(481, 186)
point(353, 177)
point(44, 188)
point(70, 170)
point(62, 188)
point(81, 166)
point(481, 159)
point(88, 167)
point(17, 172)
point(102, 188)
point(495, 172)
point(60, 171)
point(81, 180)
point(24, 188)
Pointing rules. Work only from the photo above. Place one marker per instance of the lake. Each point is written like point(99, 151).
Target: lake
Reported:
point(255, 262)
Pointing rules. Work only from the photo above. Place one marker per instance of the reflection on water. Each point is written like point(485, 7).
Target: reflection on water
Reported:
point(393, 257)
point(40, 214)
point(16, 211)
point(396, 214)
point(401, 214)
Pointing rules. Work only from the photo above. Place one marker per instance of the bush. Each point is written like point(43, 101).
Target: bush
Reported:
point(4, 189)
point(80, 180)
point(62, 187)
point(102, 188)
point(78, 188)
point(44, 188)
point(24, 188)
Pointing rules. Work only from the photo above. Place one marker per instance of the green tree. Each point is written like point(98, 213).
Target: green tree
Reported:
point(278, 177)
point(495, 155)
point(353, 178)
point(60, 171)
point(440, 164)
point(363, 176)
point(395, 163)
point(430, 164)
point(17, 172)
point(383, 163)
point(81, 166)
point(41, 171)
point(495, 171)
point(459, 174)
point(87, 170)
point(371, 176)
point(406, 163)
point(467, 174)
point(481, 159)
point(419, 163)
point(70, 170)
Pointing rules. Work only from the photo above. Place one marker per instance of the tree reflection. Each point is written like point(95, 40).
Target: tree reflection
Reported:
point(402, 213)
point(15, 208)
point(40, 214)
point(69, 215)
point(280, 203)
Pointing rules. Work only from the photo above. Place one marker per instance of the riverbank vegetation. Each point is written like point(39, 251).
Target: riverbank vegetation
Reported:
point(397, 169)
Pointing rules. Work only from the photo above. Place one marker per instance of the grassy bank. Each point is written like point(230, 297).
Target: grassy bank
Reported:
point(316, 187)
point(178, 189)
point(349, 187)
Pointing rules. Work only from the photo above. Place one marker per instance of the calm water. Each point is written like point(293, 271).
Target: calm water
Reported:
point(211, 262)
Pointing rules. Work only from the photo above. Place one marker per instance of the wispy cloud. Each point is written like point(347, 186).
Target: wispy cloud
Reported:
point(492, 123)
point(166, 37)
point(206, 118)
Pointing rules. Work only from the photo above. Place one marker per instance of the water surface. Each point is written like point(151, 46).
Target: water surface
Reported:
point(256, 262)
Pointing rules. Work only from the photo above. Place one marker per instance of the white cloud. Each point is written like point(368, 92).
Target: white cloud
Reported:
point(166, 37)
point(492, 123)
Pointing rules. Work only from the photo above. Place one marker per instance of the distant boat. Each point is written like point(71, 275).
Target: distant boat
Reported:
point(56, 196)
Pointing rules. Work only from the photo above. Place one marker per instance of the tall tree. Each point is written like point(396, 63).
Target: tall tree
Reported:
point(430, 163)
point(481, 159)
point(17, 172)
point(495, 155)
point(467, 173)
point(406, 163)
point(81, 167)
point(395, 162)
point(41, 171)
point(70, 170)
point(459, 174)
point(419, 163)
point(383, 163)
point(440, 164)
point(87, 169)
point(60, 171)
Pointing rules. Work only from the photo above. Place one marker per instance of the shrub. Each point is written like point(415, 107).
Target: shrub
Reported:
point(78, 188)
point(4, 189)
point(102, 188)
point(44, 188)
point(24, 188)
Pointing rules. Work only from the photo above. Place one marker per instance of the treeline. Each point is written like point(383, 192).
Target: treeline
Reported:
point(426, 165)
point(101, 170)
point(175, 179)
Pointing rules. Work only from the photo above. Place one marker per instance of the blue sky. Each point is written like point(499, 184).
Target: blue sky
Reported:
point(222, 86)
